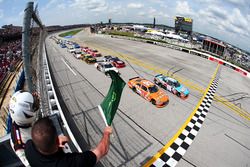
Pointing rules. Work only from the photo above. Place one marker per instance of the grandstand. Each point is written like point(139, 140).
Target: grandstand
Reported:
point(10, 44)
point(10, 57)
point(10, 49)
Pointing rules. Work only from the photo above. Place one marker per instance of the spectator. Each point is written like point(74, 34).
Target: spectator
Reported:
point(45, 148)
point(22, 107)
point(10, 47)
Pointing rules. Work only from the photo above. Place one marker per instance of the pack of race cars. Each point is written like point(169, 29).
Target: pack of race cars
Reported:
point(151, 91)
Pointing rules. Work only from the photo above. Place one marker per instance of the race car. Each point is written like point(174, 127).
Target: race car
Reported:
point(77, 54)
point(118, 63)
point(171, 85)
point(71, 49)
point(85, 49)
point(107, 58)
point(105, 67)
point(149, 91)
point(89, 59)
point(62, 45)
point(95, 54)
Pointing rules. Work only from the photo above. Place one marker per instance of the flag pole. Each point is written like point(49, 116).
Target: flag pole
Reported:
point(102, 114)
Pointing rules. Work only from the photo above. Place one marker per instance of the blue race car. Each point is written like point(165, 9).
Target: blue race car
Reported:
point(171, 85)
point(62, 45)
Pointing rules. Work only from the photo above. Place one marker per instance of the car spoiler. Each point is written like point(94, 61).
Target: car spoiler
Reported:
point(133, 78)
point(158, 75)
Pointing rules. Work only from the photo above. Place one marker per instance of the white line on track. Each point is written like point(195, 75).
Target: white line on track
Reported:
point(69, 67)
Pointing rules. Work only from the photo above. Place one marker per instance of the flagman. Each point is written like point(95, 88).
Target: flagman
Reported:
point(45, 148)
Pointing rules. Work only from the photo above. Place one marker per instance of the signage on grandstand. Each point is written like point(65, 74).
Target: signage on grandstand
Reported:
point(183, 24)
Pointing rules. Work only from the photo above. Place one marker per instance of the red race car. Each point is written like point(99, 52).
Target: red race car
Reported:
point(118, 63)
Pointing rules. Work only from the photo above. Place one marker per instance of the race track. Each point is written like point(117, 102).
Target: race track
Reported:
point(141, 129)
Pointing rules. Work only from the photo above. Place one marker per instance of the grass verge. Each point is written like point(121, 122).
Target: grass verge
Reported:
point(70, 33)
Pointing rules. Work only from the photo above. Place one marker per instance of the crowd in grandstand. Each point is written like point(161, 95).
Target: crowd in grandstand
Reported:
point(10, 48)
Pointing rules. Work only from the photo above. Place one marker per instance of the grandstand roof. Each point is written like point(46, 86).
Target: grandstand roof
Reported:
point(214, 41)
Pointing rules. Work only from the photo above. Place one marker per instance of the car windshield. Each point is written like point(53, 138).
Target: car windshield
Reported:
point(153, 89)
point(108, 66)
point(177, 84)
point(115, 59)
point(108, 57)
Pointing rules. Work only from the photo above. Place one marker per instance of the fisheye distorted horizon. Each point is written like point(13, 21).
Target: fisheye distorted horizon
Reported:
point(227, 20)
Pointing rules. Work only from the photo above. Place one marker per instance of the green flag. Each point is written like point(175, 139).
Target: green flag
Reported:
point(110, 103)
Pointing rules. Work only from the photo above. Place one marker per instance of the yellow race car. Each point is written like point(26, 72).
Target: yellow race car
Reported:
point(89, 59)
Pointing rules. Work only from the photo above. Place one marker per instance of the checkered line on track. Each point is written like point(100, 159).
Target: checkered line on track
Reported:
point(178, 148)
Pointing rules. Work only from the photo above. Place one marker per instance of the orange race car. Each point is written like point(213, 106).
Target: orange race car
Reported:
point(149, 91)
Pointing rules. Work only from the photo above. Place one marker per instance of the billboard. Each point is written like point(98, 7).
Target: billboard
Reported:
point(183, 24)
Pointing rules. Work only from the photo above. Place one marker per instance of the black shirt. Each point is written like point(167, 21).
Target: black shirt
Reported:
point(60, 159)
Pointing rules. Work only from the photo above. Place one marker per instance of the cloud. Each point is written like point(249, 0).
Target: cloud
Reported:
point(231, 22)
point(236, 2)
point(49, 5)
point(61, 6)
point(218, 12)
point(152, 12)
point(183, 8)
point(141, 13)
point(135, 5)
point(92, 5)
point(157, 1)
point(117, 10)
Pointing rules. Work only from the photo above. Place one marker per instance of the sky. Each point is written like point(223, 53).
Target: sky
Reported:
point(228, 20)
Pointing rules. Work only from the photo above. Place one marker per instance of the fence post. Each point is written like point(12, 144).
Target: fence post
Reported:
point(26, 44)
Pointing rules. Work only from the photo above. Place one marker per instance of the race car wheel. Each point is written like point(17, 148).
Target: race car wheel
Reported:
point(153, 102)
point(179, 94)
point(134, 89)
point(107, 74)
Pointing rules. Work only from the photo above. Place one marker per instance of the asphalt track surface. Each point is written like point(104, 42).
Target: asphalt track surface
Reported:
point(141, 129)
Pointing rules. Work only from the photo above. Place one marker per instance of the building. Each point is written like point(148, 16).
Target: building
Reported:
point(213, 46)
point(154, 23)
point(183, 24)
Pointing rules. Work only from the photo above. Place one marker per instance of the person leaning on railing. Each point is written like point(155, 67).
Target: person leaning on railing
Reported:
point(45, 148)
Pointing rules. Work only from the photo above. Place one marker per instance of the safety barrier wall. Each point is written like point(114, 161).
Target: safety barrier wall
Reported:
point(220, 61)
point(191, 51)
point(237, 69)
point(20, 81)
point(54, 104)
